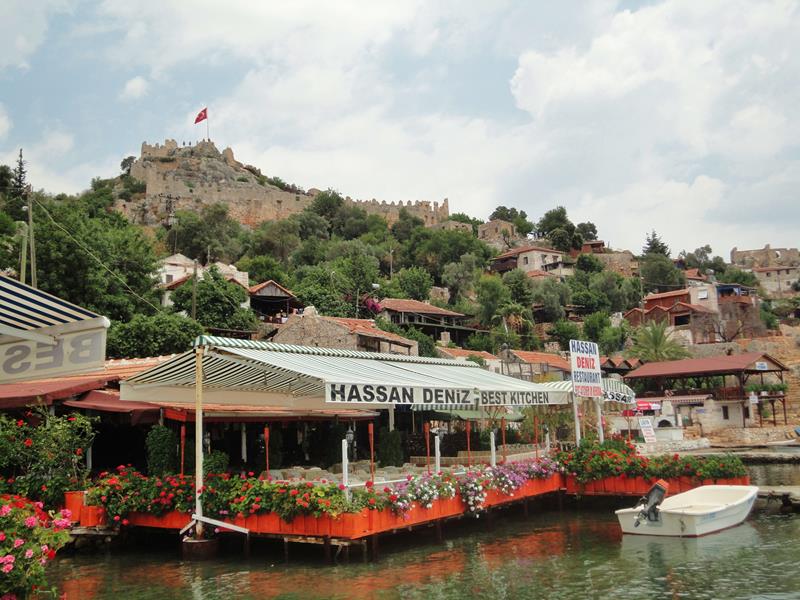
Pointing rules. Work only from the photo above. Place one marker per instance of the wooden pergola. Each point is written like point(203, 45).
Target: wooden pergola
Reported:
point(741, 367)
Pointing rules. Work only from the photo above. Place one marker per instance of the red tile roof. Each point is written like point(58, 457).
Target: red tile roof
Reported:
point(692, 307)
point(522, 249)
point(666, 294)
point(689, 367)
point(769, 269)
point(695, 274)
point(464, 353)
point(176, 283)
point(537, 273)
point(260, 286)
point(367, 327)
point(415, 306)
point(553, 360)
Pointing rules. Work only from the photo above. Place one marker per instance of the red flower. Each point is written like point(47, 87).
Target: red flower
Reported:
point(70, 418)
point(294, 493)
point(369, 484)
point(372, 501)
point(79, 451)
point(28, 442)
point(20, 423)
point(341, 486)
point(125, 521)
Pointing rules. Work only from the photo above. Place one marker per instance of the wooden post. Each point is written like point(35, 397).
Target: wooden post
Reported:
point(266, 447)
point(503, 437)
point(469, 449)
point(183, 445)
point(371, 431)
point(426, 428)
point(198, 436)
point(536, 435)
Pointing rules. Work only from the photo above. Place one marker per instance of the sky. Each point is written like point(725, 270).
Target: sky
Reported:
point(677, 116)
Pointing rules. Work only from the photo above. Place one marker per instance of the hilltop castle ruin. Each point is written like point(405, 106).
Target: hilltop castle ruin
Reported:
point(190, 177)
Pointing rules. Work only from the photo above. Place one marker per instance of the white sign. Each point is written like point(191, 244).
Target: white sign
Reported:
point(762, 365)
point(753, 398)
point(648, 433)
point(618, 397)
point(440, 398)
point(73, 352)
point(587, 380)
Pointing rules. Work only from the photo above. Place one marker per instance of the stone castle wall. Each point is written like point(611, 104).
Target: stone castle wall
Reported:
point(766, 257)
point(190, 177)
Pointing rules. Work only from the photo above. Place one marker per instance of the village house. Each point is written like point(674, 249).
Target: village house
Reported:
point(272, 302)
point(531, 259)
point(534, 366)
point(451, 225)
point(589, 247)
point(462, 355)
point(497, 230)
point(778, 282)
point(177, 269)
point(439, 323)
point(312, 329)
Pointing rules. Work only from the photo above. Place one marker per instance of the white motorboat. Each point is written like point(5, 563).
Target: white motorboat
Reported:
point(700, 511)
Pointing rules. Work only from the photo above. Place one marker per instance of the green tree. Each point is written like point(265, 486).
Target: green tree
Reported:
point(218, 302)
point(491, 295)
point(659, 273)
point(406, 225)
point(415, 283)
point(734, 275)
point(15, 197)
point(588, 230)
point(589, 263)
point(563, 331)
point(276, 238)
point(208, 236)
point(461, 277)
point(609, 286)
point(594, 324)
point(318, 286)
point(425, 343)
point(152, 335)
point(561, 239)
point(520, 286)
point(311, 225)
point(104, 264)
point(349, 222)
point(553, 296)
point(555, 218)
point(431, 249)
point(612, 339)
point(512, 317)
point(126, 164)
point(654, 245)
point(654, 343)
point(326, 204)
point(263, 268)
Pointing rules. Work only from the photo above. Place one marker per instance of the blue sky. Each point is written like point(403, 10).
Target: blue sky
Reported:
point(679, 116)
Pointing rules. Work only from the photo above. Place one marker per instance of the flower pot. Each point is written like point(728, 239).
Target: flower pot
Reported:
point(93, 516)
point(351, 525)
point(74, 501)
point(572, 485)
point(708, 482)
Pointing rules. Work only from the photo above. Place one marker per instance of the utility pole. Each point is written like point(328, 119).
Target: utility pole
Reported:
point(23, 252)
point(31, 235)
point(194, 291)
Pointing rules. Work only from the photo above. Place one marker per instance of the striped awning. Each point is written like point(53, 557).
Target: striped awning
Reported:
point(42, 335)
point(370, 379)
point(614, 390)
point(25, 308)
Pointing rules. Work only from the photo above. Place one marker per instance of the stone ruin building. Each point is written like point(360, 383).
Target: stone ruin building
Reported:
point(765, 257)
point(188, 177)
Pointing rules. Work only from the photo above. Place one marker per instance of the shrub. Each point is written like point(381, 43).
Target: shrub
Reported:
point(28, 543)
point(390, 448)
point(215, 461)
point(162, 451)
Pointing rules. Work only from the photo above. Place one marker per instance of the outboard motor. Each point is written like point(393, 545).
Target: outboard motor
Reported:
point(650, 502)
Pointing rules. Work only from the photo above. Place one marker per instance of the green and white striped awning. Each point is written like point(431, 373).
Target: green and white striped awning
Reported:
point(614, 390)
point(362, 379)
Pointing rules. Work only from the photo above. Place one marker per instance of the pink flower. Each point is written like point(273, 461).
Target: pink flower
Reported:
point(43, 560)
point(8, 558)
point(30, 522)
point(66, 513)
point(2, 536)
point(4, 510)
point(8, 568)
point(45, 548)
point(18, 542)
point(28, 553)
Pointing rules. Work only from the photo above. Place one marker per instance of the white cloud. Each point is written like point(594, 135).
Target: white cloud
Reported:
point(5, 122)
point(23, 28)
point(134, 88)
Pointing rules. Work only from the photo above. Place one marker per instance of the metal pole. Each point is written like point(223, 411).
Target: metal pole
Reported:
point(198, 435)
point(31, 236)
point(503, 438)
point(266, 447)
point(345, 469)
point(492, 457)
point(194, 291)
point(577, 419)
point(244, 443)
point(183, 445)
point(391, 418)
point(437, 453)
point(426, 428)
point(23, 254)
point(469, 449)
point(600, 433)
point(371, 432)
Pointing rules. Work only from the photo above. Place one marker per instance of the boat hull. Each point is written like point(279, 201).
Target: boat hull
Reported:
point(701, 511)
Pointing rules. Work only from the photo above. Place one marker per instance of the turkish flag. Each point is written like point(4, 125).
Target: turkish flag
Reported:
point(201, 116)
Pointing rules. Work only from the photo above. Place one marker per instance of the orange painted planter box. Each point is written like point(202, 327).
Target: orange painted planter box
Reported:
point(268, 523)
point(93, 516)
point(572, 485)
point(74, 501)
point(450, 507)
point(351, 525)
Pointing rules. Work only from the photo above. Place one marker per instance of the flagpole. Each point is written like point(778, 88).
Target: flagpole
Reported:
point(208, 135)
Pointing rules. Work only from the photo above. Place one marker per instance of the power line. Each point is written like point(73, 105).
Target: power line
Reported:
point(92, 254)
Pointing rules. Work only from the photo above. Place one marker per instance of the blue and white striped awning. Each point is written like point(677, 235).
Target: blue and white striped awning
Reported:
point(363, 379)
point(25, 308)
point(42, 335)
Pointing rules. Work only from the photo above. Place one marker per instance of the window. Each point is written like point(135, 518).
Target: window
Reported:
point(168, 278)
point(725, 412)
point(524, 260)
point(702, 294)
